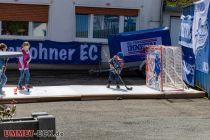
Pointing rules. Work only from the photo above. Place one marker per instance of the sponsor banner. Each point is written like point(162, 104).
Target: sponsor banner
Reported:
point(153, 68)
point(49, 52)
point(200, 36)
point(137, 47)
point(132, 44)
point(185, 38)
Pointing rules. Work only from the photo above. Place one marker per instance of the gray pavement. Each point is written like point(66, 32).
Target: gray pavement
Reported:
point(184, 119)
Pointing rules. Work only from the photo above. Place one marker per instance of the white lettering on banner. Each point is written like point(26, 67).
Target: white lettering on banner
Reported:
point(53, 52)
point(92, 49)
point(11, 49)
point(70, 54)
point(42, 53)
point(63, 54)
point(34, 53)
point(136, 47)
point(83, 53)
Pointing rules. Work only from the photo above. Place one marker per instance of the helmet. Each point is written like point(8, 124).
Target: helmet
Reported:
point(120, 55)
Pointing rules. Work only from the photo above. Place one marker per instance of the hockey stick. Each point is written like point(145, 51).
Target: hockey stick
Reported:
point(128, 88)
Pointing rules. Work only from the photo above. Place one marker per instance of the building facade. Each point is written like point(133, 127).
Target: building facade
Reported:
point(76, 20)
point(171, 19)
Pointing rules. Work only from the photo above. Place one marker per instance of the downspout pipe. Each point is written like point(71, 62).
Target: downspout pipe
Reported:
point(161, 13)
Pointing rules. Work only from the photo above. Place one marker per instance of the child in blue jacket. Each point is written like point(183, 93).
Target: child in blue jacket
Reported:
point(116, 66)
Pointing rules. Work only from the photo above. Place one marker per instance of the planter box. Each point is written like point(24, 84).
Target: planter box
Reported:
point(40, 126)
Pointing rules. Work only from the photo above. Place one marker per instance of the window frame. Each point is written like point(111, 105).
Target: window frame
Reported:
point(101, 40)
point(26, 37)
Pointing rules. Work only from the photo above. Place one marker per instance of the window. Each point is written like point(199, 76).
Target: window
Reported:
point(129, 23)
point(97, 23)
point(15, 28)
point(82, 22)
point(104, 25)
point(23, 21)
point(24, 28)
point(39, 29)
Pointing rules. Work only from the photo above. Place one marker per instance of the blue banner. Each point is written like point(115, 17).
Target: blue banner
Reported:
point(132, 44)
point(185, 40)
point(200, 36)
point(49, 52)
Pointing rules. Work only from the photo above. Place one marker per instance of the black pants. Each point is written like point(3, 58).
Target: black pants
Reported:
point(113, 77)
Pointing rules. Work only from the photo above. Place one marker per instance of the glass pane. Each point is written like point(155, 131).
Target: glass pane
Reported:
point(15, 28)
point(105, 25)
point(129, 24)
point(39, 29)
point(82, 25)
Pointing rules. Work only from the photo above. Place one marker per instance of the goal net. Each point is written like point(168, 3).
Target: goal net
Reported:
point(164, 68)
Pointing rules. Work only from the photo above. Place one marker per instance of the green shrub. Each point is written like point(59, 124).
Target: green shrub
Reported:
point(178, 3)
point(7, 111)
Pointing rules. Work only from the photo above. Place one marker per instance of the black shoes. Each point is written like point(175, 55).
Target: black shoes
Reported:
point(108, 85)
point(118, 86)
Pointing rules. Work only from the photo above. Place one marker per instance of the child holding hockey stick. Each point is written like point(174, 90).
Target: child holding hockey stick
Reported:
point(3, 64)
point(116, 66)
point(23, 65)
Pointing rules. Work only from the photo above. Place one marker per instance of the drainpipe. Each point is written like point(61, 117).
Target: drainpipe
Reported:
point(161, 13)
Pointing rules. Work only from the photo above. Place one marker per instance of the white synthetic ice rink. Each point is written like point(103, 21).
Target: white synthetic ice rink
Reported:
point(83, 90)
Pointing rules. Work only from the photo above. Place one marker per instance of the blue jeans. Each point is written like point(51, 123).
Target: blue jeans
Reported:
point(113, 77)
point(3, 81)
point(24, 74)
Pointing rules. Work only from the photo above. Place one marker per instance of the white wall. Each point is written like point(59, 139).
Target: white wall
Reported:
point(169, 22)
point(149, 9)
point(149, 15)
point(175, 29)
point(62, 15)
point(61, 26)
point(167, 15)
